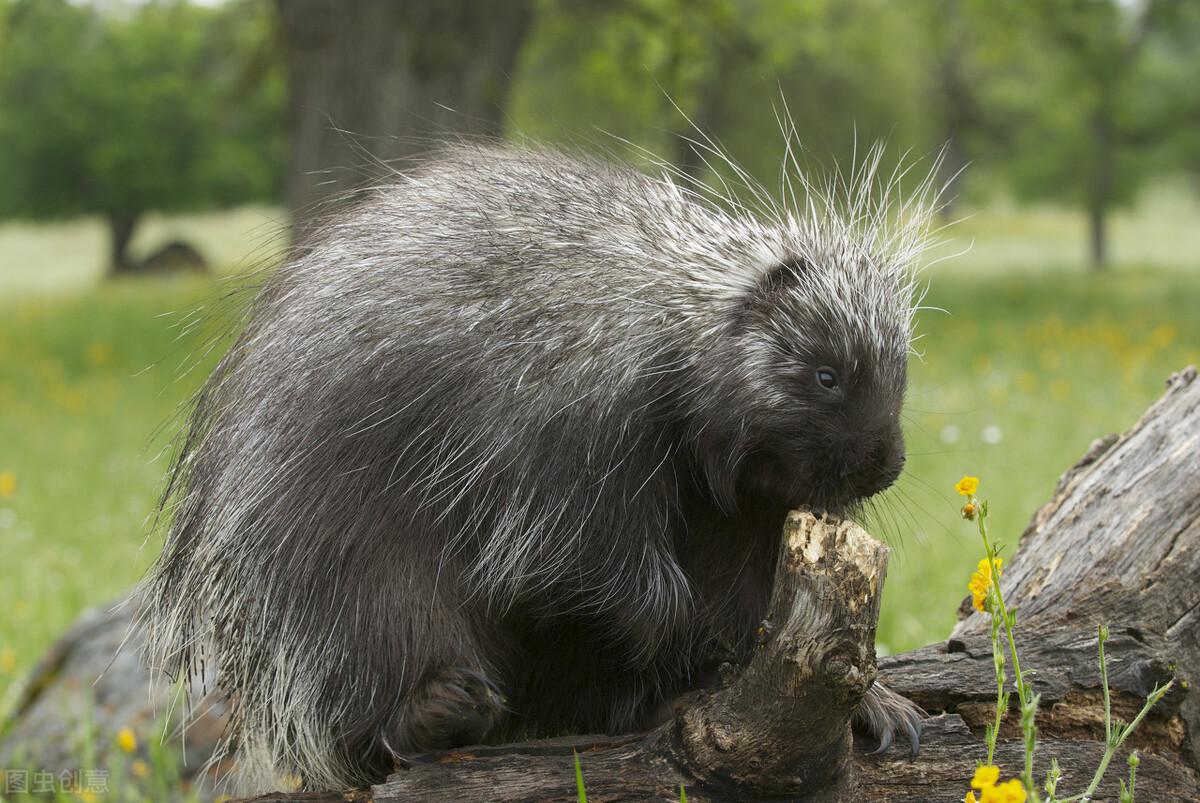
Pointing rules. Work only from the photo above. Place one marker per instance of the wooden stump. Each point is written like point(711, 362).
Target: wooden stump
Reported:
point(1119, 543)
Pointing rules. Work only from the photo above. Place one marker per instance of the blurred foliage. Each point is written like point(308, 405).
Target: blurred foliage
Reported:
point(1073, 101)
point(662, 73)
point(119, 111)
point(117, 107)
point(1095, 98)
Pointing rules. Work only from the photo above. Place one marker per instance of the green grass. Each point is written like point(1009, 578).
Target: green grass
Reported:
point(38, 259)
point(1028, 367)
point(1016, 382)
point(84, 383)
point(1160, 233)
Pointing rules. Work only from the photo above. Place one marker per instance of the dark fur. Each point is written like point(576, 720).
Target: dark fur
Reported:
point(465, 364)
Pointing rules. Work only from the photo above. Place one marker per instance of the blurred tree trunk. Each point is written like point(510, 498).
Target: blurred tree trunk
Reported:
point(120, 234)
point(731, 47)
point(957, 101)
point(705, 121)
point(1103, 45)
point(1101, 190)
point(371, 81)
point(1098, 235)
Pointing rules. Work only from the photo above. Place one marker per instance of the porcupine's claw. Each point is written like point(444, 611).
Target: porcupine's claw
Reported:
point(883, 712)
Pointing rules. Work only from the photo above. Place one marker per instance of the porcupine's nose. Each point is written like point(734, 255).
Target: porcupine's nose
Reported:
point(881, 465)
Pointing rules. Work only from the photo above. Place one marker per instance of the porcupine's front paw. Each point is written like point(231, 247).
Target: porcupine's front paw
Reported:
point(883, 712)
point(456, 707)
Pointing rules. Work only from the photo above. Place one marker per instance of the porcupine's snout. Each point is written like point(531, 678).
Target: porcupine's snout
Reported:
point(876, 464)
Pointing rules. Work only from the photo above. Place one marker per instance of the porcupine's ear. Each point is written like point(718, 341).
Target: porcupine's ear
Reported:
point(782, 274)
point(758, 299)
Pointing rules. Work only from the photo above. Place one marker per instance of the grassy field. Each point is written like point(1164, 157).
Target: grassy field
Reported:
point(1032, 361)
point(1016, 382)
point(53, 260)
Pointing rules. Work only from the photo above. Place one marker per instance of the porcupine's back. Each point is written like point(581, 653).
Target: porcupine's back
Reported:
point(474, 369)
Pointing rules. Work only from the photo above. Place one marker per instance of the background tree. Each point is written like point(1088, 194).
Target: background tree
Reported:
point(957, 78)
point(1171, 64)
point(1090, 102)
point(117, 108)
point(122, 113)
point(635, 69)
point(370, 81)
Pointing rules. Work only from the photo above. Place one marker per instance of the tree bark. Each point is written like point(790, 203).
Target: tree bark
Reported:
point(1119, 543)
point(370, 82)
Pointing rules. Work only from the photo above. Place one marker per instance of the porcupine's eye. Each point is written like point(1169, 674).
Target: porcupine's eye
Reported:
point(827, 377)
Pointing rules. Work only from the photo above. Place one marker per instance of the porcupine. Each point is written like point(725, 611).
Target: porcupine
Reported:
point(504, 451)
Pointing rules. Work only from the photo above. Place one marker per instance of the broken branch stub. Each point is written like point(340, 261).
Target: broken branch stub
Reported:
point(783, 726)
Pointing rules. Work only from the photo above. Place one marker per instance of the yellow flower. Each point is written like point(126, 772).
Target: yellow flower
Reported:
point(97, 353)
point(8, 484)
point(967, 486)
point(139, 768)
point(8, 659)
point(981, 582)
point(986, 779)
point(1010, 791)
point(987, 774)
point(1162, 336)
point(126, 740)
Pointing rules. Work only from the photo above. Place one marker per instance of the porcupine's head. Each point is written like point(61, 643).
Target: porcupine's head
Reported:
point(824, 337)
point(831, 358)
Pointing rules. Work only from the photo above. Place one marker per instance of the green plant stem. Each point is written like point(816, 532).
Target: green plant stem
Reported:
point(1001, 697)
point(1114, 737)
point(1113, 744)
point(580, 791)
point(1022, 689)
point(1101, 637)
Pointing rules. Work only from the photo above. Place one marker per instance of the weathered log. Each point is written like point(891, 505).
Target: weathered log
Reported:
point(91, 681)
point(1119, 543)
